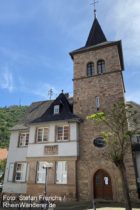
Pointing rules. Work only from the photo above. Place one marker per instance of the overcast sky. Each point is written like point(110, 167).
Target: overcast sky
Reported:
point(36, 37)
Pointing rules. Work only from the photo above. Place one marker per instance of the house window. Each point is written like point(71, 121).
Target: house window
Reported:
point(101, 67)
point(42, 134)
point(56, 109)
point(138, 139)
point(90, 69)
point(62, 133)
point(97, 99)
point(23, 139)
point(41, 173)
point(20, 175)
point(61, 172)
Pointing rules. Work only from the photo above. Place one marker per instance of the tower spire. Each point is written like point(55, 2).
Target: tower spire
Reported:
point(94, 3)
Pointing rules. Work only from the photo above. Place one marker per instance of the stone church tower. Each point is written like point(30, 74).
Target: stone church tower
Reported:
point(98, 83)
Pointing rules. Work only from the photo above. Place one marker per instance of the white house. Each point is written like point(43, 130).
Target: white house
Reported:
point(49, 132)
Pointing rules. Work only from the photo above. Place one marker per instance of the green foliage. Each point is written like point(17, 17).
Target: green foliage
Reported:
point(99, 116)
point(2, 169)
point(9, 116)
point(2, 165)
point(117, 134)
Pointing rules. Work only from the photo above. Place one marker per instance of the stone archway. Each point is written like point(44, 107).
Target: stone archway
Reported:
point(102, 185)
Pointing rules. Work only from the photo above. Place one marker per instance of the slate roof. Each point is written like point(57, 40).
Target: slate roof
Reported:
point(66, 111)
point(42, 111)
point(96, 40)
point(96, 35)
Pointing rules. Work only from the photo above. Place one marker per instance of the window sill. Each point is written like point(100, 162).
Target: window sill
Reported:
point(42, 142)
point(60, 184)
point(20, 182)
point(22, 146)
point(40, 183)
point(59, 141)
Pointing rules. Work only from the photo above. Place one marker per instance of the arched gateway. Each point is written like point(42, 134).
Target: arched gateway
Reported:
point(102, 185)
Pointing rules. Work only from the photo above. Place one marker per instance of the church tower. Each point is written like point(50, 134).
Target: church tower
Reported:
point(98, 83)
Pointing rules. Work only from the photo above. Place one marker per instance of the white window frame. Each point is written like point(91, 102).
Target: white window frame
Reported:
point(63, 133)
point(23, 142)
point(22, 171)
point(56, 109)
point(42, 135)
point(97, 99)
point(41, 173)
point(61, 172)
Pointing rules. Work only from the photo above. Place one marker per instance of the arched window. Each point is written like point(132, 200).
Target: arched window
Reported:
point(101, 67)
point(90, 69)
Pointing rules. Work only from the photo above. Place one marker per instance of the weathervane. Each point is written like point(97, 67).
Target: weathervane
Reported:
point(50, 93)
point(94, 3)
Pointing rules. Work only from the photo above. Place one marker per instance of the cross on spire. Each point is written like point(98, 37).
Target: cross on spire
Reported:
point(94, 3)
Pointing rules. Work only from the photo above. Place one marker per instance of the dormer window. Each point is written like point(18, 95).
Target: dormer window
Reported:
point(90, 69)
point(101, 67)
point(56, 109)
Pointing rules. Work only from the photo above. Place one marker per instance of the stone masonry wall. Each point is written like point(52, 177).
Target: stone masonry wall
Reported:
point(109, 87)
point(68, 190)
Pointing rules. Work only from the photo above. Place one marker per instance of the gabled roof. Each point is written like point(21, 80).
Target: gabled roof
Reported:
point(42, 111)
point(97, 40)
point(96, 35)
point(66, 112)
point(35, 110)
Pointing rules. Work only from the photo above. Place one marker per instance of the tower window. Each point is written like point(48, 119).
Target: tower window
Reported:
point(90, 69)
point(101, 67)
point(97, 102)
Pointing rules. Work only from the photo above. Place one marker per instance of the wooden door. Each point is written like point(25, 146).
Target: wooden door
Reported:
point(102, 185)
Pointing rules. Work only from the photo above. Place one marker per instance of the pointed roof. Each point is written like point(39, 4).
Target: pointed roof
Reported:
point(66, 111)
point(96, 35)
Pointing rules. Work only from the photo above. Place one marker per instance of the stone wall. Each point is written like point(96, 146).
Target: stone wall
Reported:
point(110, 88)
point(68, 190)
